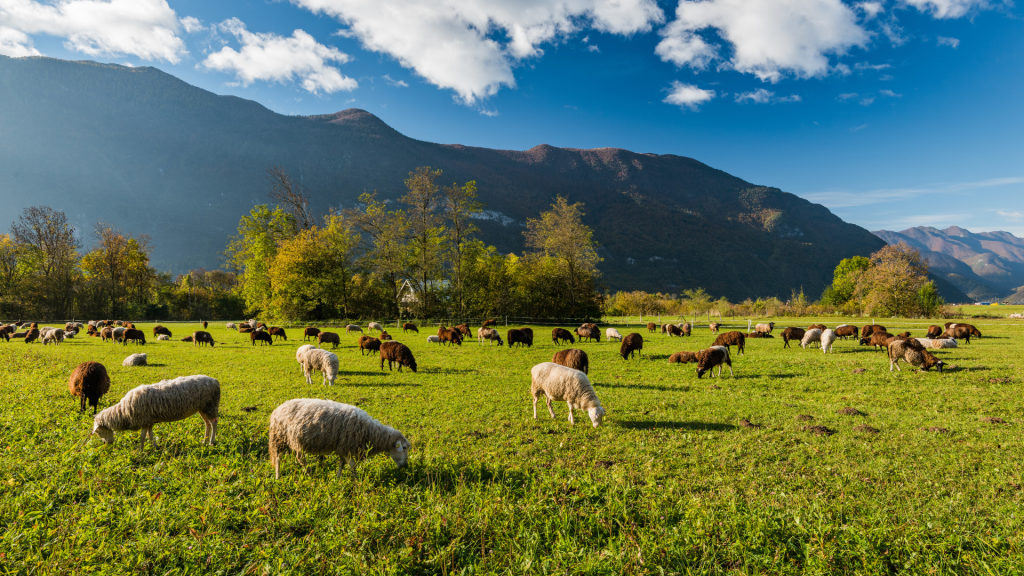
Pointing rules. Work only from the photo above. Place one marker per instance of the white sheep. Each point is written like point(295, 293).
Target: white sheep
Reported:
point(765, 328)
point(69, 335)
point(163, 337)
point(937, 343)
point(433, 339)
point(813, 335)
point(54, 335)
point(374, 326)
point(353, 328)
point(828, 337)
point(557, 382)
point(322, 361)
point(319, 427)
point(231, 326)
point(302, 350)
point(135, 360)
point(489, 334)
point(165, 401)
point(612, 334)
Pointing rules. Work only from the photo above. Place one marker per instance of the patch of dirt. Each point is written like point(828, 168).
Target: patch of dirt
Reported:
point(805, 418)
point(866, 429)
point(859, 370)
point(249, 408)
point(993, 420)
point(713, 387)
point(1000, 380)
point(552, 432)
point(819, 430)
point(604, 464)
point(849, 411)
point(527, 440)
point(937, 430)
point(476, 434)
point(748, 424)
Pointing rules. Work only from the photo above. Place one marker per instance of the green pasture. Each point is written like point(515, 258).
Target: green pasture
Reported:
point(686, 476)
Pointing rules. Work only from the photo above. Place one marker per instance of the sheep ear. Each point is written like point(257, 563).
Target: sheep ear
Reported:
point(398, 445)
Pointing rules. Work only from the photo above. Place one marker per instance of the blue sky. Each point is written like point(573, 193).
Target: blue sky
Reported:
point(891, 113)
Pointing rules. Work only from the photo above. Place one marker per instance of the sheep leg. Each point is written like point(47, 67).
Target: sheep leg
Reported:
point(277, 466)
point(550, 409)
point(571, 420)
point(534, 407)
point(82, 409)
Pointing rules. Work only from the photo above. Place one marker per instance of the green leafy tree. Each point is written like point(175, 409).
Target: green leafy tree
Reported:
point(459, 206)
point(698, 300)
point(426, 232)
point(894, 280)
point(561, 235)
point(386, 234)
point(845, 281)
point(13, 270)
point(251, 253)
point(50, 249)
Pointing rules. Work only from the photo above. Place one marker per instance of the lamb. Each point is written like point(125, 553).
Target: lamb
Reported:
point(327, 338)
point(869, 329)
point(673, 330)
point(300, 351)
point(516, 336)
point(588, 333)
point(278, 332)
point(559, 383)
point(489, 334)
point(612, 334)
point(200, 338)
point(765, 328)
point(846, 331)
point(714, 326)
point(353, 328)
point(158, 330)
point(312, 426)
point(631, 343)
point(682, 357)
point(319, 360)
point(714, 356)
point(89, 381)
point(396, 353)
point(811, 336)
point(137, 336)
point(370, 343)
point(163, 337)
point(165, 401)
point(261, 337)
point(559, 335)
point(828, 337)
point(374, 326)
point(433, 339)
point(737, 339)
point(410, 326)
point(879, 340)
point(902, 350)
point(135, 360)
point(231, 326)
point(573, 358)
point(934, 331)
point(56, 336)
point(309, 332)
point(651, 327)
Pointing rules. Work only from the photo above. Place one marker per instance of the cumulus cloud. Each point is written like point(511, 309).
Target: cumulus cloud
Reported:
point(395, 83)
point(192, 24)
point(687, 95)
point(890, 94)
point(762, 96)
point(951, 42)
point(276, 58)
point(472, 46)
point(847, 96)
point(143, 28)
point(870, 9)
point(769, 39)
point(947, 8)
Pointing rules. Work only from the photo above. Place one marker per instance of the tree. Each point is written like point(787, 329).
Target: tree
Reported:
point(929, 301)
point(49, 242)
point(561, 234)
point(13, 270)
point(292, 195)
point(459, 206)
point(699, 300)
point(425, 229)
point(386, 232)
point(896, 275)
point(845, 280)
point(252, 252)
point(118, 268)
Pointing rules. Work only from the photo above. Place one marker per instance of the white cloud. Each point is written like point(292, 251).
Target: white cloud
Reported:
point(688, 95)
point(762, 96)
point(890, 94)
point(867, 101)
point(1010, 215)
point(395, 83)
point(846, 199)
point(769, 38)
point(866, 66)
point(192, 24)
point(847, 96)
point(279, 59)
point(143, 28)
point(870, 9)
point(947, 8)
point(471, 46)
point(858, 128)
point(951, 42)
point(593, 48)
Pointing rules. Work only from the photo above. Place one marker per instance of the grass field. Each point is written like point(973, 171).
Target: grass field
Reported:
point(672, 483)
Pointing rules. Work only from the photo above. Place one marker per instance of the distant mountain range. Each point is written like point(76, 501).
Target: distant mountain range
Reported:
point(985, 265)
point(144, 151)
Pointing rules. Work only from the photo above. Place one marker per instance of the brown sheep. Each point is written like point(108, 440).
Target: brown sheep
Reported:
point(245, 330)
point(186, 339)
point(158, 330)
point(246, 326)
point(821, 327)
point(867, 330)
point(632, 343)
point(760, 335)
point(573, 358)
point(205, 324)
point(368, 343)
point(327, 338)
point(261, 336)
point(915, 356)
point(904, 335)
point(590, 325)
point(651, 327)
point(19, 335)
point(714, 356)
point(559, 335)
point(385, 336)
point(309, 332)
point(396, 353)
point(673, 330)
point(278, 332)
point(682, 357)
point(137, 336)
point(31, 336)
point(129, 325)
point(844, 332)
point(489, 322)
point(529, 333)
point(714, 327)
point(736, 339)
point(686, 328)
point(464, 329)
point(588, 333)
point(450, 336)
point(410, 326)
point(934, 331)
point(960, 333)
point(879, 340)
point(970, 327)
point(516, 336)
point(89, 381)
point(200, 338)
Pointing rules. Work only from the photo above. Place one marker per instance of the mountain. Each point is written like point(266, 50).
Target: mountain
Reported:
point(148, 153)
point(985, 265)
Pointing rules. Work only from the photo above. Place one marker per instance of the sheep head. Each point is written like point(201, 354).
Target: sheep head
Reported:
point(596, 415)
point(105, 434)
point(400, 452)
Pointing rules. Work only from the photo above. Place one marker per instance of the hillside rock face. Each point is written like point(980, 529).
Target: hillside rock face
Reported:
point(148, 153)
point(986, 265)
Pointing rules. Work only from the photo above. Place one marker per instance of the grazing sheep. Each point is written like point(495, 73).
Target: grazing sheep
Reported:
point(714, 356)
point(353, 328)
point(374, 326)
point(672, 330)
point(573, 358)
point(165, 401)
point(846, 331)
point(902, 350)
point(200, 338)
point(137, 336)
point(384, 336)
point(489, 334)
point(119, 334)
point(451, 336)
point(821, 327)
point(518, 337)
point(792, 333)
point(765, 328)
point(433, 339)
point(869, 329)
point(880, 340)
point(464, 330)
point(560, 335)
point(959, 332)
point(261, 337)
point(686, 328)
point(205, 324)
point(934, 331)
point(320, 427)
point(396, 353)
point(31, 336)
point(328, 338)
point(89, 381)
point(367, 342)
point(107, 334)
point(135, 360)
point(714, 326)
point(310, 332)
point(529, 333)
point(632, 343)
point(612, 334)
point(410, 326)
point(158, 330)
point(322, 361)
point(56, 336)
point(651, 327)
point(811, 336)
point(489, 322)
point(559, 383)
point(828, 337)
point(231, 326)
point(588, 333)
point(682, 357)
point(300, 351)
point(278, 332)
point(163, 337)
point(737, 339)
point(589, 325)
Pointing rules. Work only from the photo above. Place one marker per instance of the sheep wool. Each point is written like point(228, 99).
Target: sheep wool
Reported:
point(573, 358)
point(135, 360)
point(319, 360)
point(810, 336)
point(828, 337)
point(300, 351)
point(713, 356)
point(559, 383)
point(89, 381)
point(163, 337)
point(433, 339)
point(320, 427)
point(374, 326)
point(165, 401)
point(903, 350)
point(612, 334)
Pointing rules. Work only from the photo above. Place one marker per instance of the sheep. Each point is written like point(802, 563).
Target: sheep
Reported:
point(714, 356)
point(529, 334)
point(374, 326)
point(261, 337)
point(737, 339)
point(367, 342)
point(828, 337)
point(319, 360)
point(516, 336)
point(686, 328)
point(135, 360)
point(589, 325)
point(869, 329)
point(119, 334)
point(451, 336)
point(934, 331)
point(165, 401)
point(107, 334)
point(821, 327)
point(231, 326)
point(464, 329)
point(612, 334)
point(309, 332)
point(672, 330)
point(19, 335)
point(633, 342)
point(320, 427)
point(163, 337)
point(682, 357)
point(245, 326)
point(137, 336)
point(489, 334)
point(588, 333)
point(846, 331)
point(651, 327)
point(765, 328)
point(278, 332)
point(410, 326)
point(89, 381)
point(31, 336)
point(327, 338)
point(158, 330)
point(187, 339)
point(759, 335)
point(200, 338)
point(573, 358)
point(205, 324)
point(559, 383)
point(714, 326)
point(384, 336)
point(959, 332)
point(937, 343)
point(902, 350)
point(811, 336)
point(489, 322)
point(877, 339)
point(433, 339)
point(559, 335)
point(300, 351)
point(245, 330)
point(396, 353)
point(56, 336)
point(353, 328)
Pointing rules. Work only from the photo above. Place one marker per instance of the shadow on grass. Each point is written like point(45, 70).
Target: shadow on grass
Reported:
point(449, 371)
point(673, 425)
point(640, 387)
